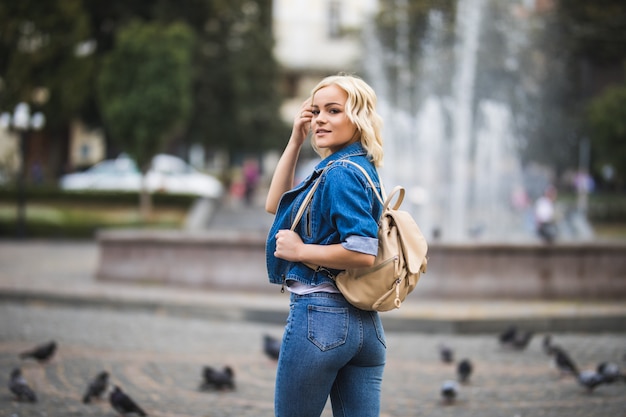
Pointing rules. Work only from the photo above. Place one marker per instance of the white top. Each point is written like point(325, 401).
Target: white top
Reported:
point(544, 210)
point(301, 289)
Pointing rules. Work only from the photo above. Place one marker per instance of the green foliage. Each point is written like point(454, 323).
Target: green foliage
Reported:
point(607, 121)
point(38, 49)
point(233, 76)
point(402, 27)
point(594, 36)
point(144, 87)
point(53, 195)
point(237, 97)
point(595, 29)
point(56, 213)
point(605, 208)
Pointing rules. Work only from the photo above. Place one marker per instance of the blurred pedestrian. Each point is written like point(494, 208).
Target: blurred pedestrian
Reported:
point(251, 176)
point(545, 217)
point(329, 347)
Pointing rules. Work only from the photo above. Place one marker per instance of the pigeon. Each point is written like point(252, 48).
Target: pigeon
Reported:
point(271, 346)
point(522, 340)
point(219, 380)
point(563, 362)
point(513, 338)
point(19, 387)
point(96, 387)
point(464, 370)
point(546, 344)
point(446, 353)
point(610, 372)
point(123, 404)
point(449, 391)
point(507, 336)
point(590, 379)
point(42, 353)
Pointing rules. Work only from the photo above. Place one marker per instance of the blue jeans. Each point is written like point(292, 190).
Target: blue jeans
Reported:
point(329, 347)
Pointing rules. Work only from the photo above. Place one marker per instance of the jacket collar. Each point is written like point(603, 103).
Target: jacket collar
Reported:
point(354, 149)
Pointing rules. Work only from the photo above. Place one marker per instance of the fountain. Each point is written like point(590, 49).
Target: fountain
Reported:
point(451, 140)
point(452, 91)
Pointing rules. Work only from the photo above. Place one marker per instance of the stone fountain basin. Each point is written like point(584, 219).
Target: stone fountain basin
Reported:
point(236, 261)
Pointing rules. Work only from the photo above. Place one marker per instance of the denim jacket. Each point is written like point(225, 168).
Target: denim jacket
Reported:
point(343, 210)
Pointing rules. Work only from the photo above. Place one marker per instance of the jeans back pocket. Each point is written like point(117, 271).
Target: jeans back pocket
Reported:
point(327, 326)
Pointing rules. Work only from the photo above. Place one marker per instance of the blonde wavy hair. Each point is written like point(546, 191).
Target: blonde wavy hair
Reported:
point(361, 110)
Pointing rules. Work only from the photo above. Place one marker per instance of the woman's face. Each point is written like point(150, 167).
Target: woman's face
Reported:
point(332, 129)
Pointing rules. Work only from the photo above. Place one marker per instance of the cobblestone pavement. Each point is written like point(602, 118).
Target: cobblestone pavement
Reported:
point(157, 359)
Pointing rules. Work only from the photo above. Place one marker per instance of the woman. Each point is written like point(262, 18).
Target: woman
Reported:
point(329, 347)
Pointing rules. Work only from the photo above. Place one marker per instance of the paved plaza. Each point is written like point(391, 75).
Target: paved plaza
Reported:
point(155, 340)
point(158, 358)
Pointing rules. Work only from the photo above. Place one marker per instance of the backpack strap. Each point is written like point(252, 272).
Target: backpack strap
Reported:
point(305, 203)
point(387, 199)
point(309, 197)
point(369, 179)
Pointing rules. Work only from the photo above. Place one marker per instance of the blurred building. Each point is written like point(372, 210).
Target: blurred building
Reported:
point(315, 39)
point(87, 146)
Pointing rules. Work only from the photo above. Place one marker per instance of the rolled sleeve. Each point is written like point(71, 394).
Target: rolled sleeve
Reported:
point(361, 244)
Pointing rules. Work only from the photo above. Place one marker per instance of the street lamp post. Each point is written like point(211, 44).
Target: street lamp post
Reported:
point(22, 121)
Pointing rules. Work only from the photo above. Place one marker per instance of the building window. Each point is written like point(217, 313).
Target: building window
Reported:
point(334, 19)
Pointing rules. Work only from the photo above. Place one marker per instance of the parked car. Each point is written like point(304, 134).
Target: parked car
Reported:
point(167, 174)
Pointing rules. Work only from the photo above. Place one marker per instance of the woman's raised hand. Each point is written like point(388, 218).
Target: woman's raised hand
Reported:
point(302, 121)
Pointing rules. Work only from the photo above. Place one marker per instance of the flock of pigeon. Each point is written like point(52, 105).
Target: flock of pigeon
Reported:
point(605, 373)
point(224, 379)
point(464, 369)
point(120, 401)
point(515, 339)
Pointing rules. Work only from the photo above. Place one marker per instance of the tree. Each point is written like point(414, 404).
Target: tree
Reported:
point(553, 96)
point(40, 47)
point(595, 36)
point(595, 30)
point(236, 92)
point(256, 84)
point(58, 44)
point(144, 90)
point(45, 61)
point(607, 122)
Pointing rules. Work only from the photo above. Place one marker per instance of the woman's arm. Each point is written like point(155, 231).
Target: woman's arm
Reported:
point(289, 246)
point(282, 180)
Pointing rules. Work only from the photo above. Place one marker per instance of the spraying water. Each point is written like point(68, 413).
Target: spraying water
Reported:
point(449, 142)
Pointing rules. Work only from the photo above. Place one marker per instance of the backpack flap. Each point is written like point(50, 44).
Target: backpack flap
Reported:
point(413, 242)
